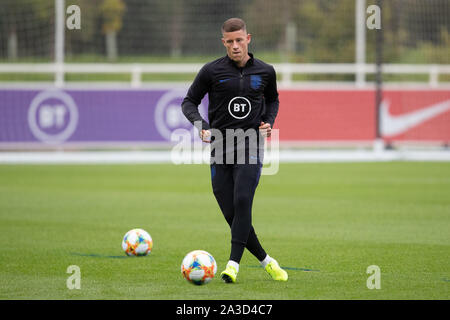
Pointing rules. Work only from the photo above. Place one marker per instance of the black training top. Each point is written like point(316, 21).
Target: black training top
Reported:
point(239, 98)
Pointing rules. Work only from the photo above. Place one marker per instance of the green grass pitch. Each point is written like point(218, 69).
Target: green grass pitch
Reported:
point(326, 223)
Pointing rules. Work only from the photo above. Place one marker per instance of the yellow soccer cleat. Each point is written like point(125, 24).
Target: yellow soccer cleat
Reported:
point(229, 275)
point(276, 272)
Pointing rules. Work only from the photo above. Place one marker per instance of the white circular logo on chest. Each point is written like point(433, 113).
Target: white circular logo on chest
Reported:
point(239, 107)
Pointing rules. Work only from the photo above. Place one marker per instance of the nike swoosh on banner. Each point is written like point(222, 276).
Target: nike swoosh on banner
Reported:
point(396, 124)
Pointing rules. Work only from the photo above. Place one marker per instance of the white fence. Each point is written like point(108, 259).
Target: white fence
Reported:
point(286, 70)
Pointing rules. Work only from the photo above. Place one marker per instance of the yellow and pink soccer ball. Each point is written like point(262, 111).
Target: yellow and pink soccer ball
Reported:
point(198, 267)
point(137, 242)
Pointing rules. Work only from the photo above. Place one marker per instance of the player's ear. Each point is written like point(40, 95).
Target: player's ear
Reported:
point(223, 41)
point(249, 38)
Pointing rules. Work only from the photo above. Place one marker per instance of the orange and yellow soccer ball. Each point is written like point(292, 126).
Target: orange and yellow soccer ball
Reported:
point(137, 242)
point(198, 267)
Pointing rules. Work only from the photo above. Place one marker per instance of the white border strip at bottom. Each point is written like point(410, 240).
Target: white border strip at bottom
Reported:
point(285, 156)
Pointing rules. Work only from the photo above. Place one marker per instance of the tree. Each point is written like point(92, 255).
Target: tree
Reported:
point(23, 23)
point(111, 12)
point(327, 30)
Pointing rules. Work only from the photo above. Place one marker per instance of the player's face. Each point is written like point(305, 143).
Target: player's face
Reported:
point(236, 43)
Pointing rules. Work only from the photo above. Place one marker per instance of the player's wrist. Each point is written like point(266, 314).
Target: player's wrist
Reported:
point(205, 135)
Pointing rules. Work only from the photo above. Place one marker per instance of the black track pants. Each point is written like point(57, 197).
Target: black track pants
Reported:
point(234, 186)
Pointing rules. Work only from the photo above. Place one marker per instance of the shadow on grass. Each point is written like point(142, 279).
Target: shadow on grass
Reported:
point(96, 255)
point(290, 268)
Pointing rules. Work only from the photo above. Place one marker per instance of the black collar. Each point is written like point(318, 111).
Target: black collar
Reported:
point(249, 62)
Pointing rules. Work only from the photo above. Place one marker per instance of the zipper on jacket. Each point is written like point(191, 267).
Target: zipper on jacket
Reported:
point(241, 82)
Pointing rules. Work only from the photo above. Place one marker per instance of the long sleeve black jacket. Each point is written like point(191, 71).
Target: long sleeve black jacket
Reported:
point(239, 98)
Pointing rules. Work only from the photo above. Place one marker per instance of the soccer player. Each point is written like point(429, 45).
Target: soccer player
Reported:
point(243, 104)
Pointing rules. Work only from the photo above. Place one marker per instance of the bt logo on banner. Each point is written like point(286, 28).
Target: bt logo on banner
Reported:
point(168, 114)
point(52, 116)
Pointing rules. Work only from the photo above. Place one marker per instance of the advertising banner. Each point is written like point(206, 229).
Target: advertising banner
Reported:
point(56, 116)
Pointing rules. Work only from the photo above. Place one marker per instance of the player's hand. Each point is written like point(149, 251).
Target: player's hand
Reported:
point(265, 129)
point(205, 135)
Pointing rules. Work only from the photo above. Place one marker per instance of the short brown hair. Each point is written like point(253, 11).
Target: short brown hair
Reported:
point(233, 24)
